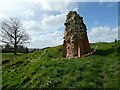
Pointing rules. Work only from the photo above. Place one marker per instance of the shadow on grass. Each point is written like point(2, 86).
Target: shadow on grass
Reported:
point(104, 52)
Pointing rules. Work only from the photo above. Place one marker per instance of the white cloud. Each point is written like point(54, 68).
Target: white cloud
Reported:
point(57, 6)
point(2, 16)
point(28, 14)
point(32, 27)
point(103, 34)
point(54, 21)
point(47, 40)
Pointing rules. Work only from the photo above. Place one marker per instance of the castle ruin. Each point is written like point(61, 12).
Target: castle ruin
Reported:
point(76, 42)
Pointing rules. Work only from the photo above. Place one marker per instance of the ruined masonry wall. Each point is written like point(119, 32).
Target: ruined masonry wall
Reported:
point(76, 42)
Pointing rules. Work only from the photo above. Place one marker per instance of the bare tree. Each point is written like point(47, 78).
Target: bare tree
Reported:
point(13, 33)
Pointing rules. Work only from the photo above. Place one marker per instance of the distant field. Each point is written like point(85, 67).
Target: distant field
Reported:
point(46, 68)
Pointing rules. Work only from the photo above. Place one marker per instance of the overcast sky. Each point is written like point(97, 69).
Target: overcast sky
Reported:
point(44, 21)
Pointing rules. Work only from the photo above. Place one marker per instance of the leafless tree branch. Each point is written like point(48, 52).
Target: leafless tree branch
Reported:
point(13, 34)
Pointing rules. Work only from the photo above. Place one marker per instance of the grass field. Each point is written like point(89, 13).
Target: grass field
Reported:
point(46, 68)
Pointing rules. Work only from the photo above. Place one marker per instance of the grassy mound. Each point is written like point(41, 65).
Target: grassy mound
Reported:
point(46, 68)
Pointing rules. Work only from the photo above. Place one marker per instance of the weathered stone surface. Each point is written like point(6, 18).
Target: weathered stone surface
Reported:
point(76, 42)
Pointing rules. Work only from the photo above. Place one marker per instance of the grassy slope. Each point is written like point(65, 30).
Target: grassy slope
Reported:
point(35, 70)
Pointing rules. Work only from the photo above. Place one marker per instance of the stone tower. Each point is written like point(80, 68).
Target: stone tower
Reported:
point(76, 42)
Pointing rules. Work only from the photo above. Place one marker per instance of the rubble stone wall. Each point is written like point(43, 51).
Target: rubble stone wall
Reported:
point(76, 42)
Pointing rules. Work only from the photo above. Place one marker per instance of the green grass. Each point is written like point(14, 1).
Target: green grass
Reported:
point(38, 70)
